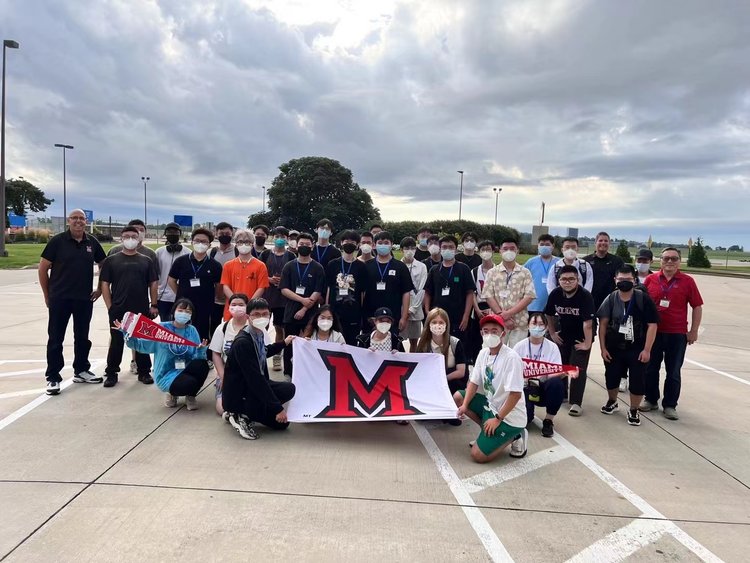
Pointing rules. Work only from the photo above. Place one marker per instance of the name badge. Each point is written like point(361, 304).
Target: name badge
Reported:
point(179, 364)
point(195, 282)
point(300, 290)
point(664, 303)
point(623, 329)
point(343, 292)
point(544, 281)
point(380, 286)
point(446, 291)
point(504, 294)
point(391, 272)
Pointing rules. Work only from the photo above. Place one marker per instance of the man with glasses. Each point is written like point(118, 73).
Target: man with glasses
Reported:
point(672, 291)
point(66, 276)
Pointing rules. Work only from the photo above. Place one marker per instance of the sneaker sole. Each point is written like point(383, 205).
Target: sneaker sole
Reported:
point(634, 423)
point(613, 411)
point(56, 392)
point(77, 379)
point(575, 413)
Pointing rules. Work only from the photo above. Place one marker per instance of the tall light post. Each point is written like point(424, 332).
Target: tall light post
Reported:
point(497, 194)
point(460, 193)
point(264, 198)
point(145, 201)
point(7, 44)
point(65, 186)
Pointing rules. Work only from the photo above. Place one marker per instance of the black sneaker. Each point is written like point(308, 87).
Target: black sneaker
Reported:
point(454, 421)
point(146, 379)
point(611, 407)
point(110, 381)
point(634, 417)
point(548, 428)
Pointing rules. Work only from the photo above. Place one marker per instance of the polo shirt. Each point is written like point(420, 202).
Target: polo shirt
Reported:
point(243, 277)
point(540, 270)
point(72, 275)
point(680, 291)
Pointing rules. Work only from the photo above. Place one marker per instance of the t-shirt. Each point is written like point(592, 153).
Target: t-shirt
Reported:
point(196, 280)
point(421, 255)
point(604, 270)
point(395, 275)
point(471, 261)
point(572, 311)
point(418, 273)
point(630, 316)
point(222, 257)
point(499, 376)
point(222, 338)
point(540, 270)
point(324, 254)
point(311, 278)
point(346, 282)
point(164, 262)
point(547, 351)
point(680, 292)
point(449, 288)
point(130, 277)
point(144, 250)
point(429, 262)
point(72, 275)
point(334, 337)
point(275, 264)
point(243, 277)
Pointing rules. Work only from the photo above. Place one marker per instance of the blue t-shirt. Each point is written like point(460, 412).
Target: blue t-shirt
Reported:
point(540, 271)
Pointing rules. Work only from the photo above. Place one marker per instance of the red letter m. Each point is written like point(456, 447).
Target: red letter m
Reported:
point(347, 386)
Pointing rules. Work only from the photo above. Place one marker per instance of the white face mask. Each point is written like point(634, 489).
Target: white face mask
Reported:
point(200, 247)
point(244, 247)
point(485, 255)
point(130, 243)
point(237, 310)
point(325, 324)
point(642, 267)
point(383, 327)
point(437, 328)
point(570, 253)
point(366, 248)
point(260, 323)
point(470, 245)
point(433, 249)
point(509, 255)
point(292, 244)
point(409, 254)
point(490, 340)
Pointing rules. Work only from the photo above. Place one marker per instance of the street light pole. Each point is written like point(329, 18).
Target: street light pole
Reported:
point(145, 204)
point(9, 44)
point(264, 198)
point(65, 185)
point(460, 193)
point(497, 194)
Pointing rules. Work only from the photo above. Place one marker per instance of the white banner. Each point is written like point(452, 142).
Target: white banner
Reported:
point(338, 383)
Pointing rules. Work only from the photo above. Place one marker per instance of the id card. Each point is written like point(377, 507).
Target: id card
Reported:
point(300, 290)
point(544, 280)
point(446, 291)
point(664, 303)
point(343, 292)
point(195, 282)
point(380, 286)
point(391, 272)
point(179, 364)
point(504, 294)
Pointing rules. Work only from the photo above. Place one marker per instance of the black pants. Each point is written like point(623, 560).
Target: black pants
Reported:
point(217, 317)
point(580, 359)
point(165, 310)
point(60, 311)
point(284, 392)
point(350, 331)
point(670, 349)
point(551, 393)
point(116, 345)
point(190, 381)
point(293, 329)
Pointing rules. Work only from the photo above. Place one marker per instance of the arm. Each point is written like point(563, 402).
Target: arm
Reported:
point(471, 390)
point(218, 364)
point(603, 323)
point(467, 311)
point(492, 302)
point(458, 372)
point(426, 301)
point(172, 283)
point(589, 285)
point(106, 289)
point(404, 311)
point(554, 334)
point(695, 323)
point(518, 307)
point(98, 291)
point(258, 293)
point(645, 355)
point(227, 291)
point(43, 273)
point(587, 336)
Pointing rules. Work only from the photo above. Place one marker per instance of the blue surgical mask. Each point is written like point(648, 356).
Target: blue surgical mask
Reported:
point(383, 249)
point(182, 317)
point(423, 242)
point(279, 242)
point(545, 250)
point(324, 233)
point(448, 254)
point(537, 331)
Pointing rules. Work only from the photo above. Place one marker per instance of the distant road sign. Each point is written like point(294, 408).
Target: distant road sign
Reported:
point(16, 220)
point(89, 215)
point(184, 220)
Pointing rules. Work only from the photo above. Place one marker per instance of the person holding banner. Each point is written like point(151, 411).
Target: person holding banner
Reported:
point(382, 339)
point(324, 326)
point(543, 391)
point(222, 339)
point(436, 338)
point(498, 410)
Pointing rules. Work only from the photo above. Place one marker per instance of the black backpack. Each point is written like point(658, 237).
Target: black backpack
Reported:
point(215, 249)
point(638, 329)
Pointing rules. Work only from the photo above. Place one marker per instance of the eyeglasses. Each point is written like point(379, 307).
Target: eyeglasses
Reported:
point(129, 238)
point(670, 258)
point(77, 218)
point(568, 280)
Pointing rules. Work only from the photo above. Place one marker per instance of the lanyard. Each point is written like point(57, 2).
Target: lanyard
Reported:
point(317, 252)
point(508, 277)
point(278, 262)
point(302, 275)
point(546, 270)
point(450, 273)
point(539, 355)
point(667, 288)
point(345, 272)
point(383, 271)
point(627, 310)
point(192, 265)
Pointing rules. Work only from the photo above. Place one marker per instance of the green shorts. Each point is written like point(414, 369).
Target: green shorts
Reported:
point(503, 434)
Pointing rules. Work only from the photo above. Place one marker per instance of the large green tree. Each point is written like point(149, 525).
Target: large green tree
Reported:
point(22, 196)
point(310, 188)
point(697, 257)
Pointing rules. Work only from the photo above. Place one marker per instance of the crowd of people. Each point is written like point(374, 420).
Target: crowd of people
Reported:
point(445, 296)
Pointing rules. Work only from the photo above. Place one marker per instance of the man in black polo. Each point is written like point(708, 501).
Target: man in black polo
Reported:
point(66, 276)
point(604, 266)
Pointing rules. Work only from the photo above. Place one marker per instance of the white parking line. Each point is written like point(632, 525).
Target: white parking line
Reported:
point(21, 393)
point(622, 543)
point(725, 374)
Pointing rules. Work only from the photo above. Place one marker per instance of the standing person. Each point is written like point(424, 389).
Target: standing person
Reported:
point(303, 283)
point(672, 291)
point(260, 234)
point(643, 261)
point(244, 274)
point(324, 327)
point(346, 278)
point(366, 247)
point(542, 391)
point(129, 282)
point(222, 339)
point(388, 284)
point(436, 339)
point(324, 251)
point(423, 236)
point(165, 258)
point(627, 331)
point(66, 276)
point(480, 307)
point(604, 266)
point(508, 290)
point(573, 306)
point(450, 287)
point(500, 410)
point(469, 254)
point(292, 241)
point(276, 259)
point(541, 268)
point(382, 337)
point(570, 258)
point(196, 277)
point(223, 253)
point(376, 229)
point(418, 273)
point(433, 247)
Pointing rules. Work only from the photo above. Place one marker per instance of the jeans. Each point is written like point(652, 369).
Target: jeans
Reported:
point(551, 393)
point(580, 359)
point(190, 381)
point(669, 348)
point(116, 345)
point(165, 310)
point(60, 311)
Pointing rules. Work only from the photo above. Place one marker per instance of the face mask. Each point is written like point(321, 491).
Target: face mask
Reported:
point(244, 247)
point(486, 255)
point(130, 243)
point(448, 254)
point(292, 244)
point(537, 331)
point(490, 340)
point(625, 285)
point(509, 256)
point(349, 247)
point(304, 250)
point(324, 233)
point(470, 245)
point(384, 249)
point(433, 249)
point(365, 248)
point(545, 250)
point(279, 243)
point(237, 310)
point(173, 239)
point(225, 239)
point(409, 254)
point(182, 317)
point(200, 248)
point(325, 324)
point(260, 323)
point(260, 241)
point(423, 242)
point(643, 267)
point(570, 253)
point(437, 328)
point(383, 327)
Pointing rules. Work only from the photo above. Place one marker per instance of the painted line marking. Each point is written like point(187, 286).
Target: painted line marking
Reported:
point(21, 393)
point(478, 522)
point(39, 370)
point(725, 374)
point(19, 293)
point(622, 543)
point(516, 469)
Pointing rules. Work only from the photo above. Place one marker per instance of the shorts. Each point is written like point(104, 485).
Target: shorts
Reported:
point(503, 434)
point(625, 363)
point(413, 330)
point(278, 316)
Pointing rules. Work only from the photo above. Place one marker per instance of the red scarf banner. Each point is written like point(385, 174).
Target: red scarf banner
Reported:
point(537, 368)
point(140, 326)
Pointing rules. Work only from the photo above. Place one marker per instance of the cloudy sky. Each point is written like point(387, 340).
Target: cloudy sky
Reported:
point(628, 116)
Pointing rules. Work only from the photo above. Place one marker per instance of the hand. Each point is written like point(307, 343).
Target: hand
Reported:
point(117, 325)
point(153, 312)
point(464, 324)
point(484, 312)
point(692, 336)
point(506, 315)
point(288, 339)
point(307, 303)
point(606, 356)
point(644, 356)
point(275, 280)
point(402, 323)
point(581, 346)
point(203, 344)
point(281, 417)
point(299, 315)
point(462, 410)
point(491, 425)
point(96, 294)
point(556, 338)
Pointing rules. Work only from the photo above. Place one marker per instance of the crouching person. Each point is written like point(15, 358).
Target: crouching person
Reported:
point(249, 396)
point(500, 411)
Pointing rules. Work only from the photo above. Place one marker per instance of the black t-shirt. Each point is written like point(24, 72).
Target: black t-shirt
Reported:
point(143, 250)
point(207, 272)
point(421, 255)
point(324, 254)
point(262, 255)
point(572, 312)
point(459, 283)
point(275, 265)
point(72, 275)
point(618, 312)
point(346, 301)
point(429, 262)
point(471, 261)
point(313, 280)
point(604, 271)
point(130, 277)
point(397, 281)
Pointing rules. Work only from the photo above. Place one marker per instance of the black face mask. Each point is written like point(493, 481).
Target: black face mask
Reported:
point(349, 247)
point(625, 285)
point(304, 250)
point(260, 241)
point(225, 239)
point(173, 239)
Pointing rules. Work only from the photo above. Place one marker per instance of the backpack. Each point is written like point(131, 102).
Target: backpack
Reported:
point(582, 268)
point(215, 249)
point(638, 330)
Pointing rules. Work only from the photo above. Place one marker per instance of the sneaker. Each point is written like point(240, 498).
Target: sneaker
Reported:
point(191, 403)
point(548, 428)
point(88, 377)
point(647, 406)
point(277, 363)
point(518, 446)
point(611, 407)
point(53, 388)
point(225, 416)
point(110, 381)
point(670, 413)
point(243, 426)
point(575, 410)
point(623, 385)
point(454, 421)
point(634, 418)
point(146, 379)
point(210, 365)
point(133, 368)
point(170, 401)
point(471, 444)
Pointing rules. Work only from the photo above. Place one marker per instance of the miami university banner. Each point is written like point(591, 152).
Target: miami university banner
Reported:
point(337, 383)
point(141, 326)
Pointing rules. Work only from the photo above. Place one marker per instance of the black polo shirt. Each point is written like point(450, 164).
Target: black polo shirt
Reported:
point(449, 289)
point(397, 279)
point(311, 277)
point(72, 275)
point(604, 271)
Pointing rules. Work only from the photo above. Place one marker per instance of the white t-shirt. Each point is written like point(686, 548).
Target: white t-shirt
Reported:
point(418, 272)
point(164, 261)
point(552, 282)
point(221, 341)
point(505, 376)
point(546, 352)
point(334, 337)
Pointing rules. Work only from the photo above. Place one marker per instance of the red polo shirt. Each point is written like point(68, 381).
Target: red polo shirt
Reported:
point(680, 291)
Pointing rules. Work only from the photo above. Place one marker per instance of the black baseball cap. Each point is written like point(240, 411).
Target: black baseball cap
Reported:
point(172, 226)
point(383, 312)
point(645, 253)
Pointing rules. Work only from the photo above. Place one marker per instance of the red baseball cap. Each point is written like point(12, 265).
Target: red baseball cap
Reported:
point(497, 319)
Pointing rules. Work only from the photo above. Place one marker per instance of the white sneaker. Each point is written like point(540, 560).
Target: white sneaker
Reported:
point(170, 401)
point(133, 368)
point(623, 384)
point(87, 377)
point(575, 410)
point(518, 446)
point(277, 363)
point(225, 416)
point(191, 403)
point(53, 388)
point(243, 426)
